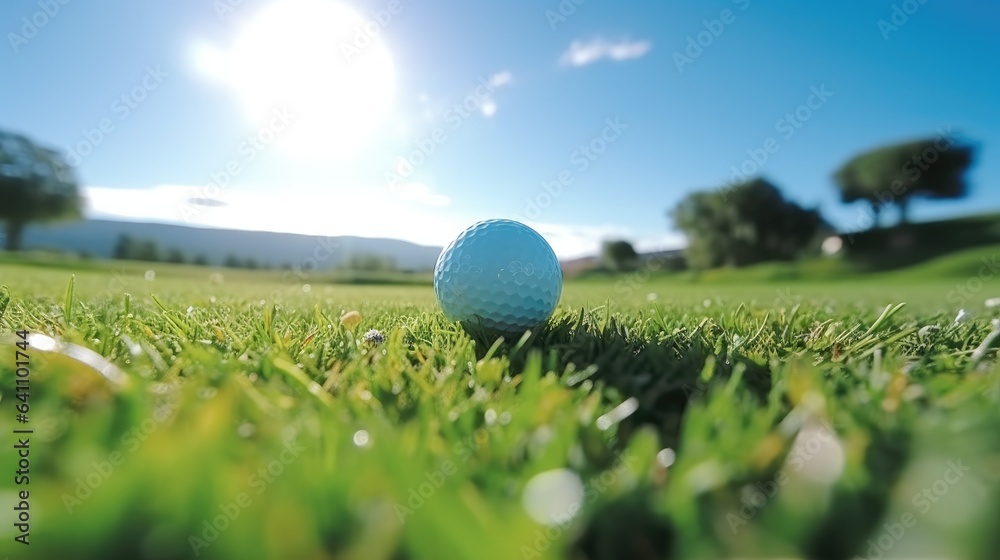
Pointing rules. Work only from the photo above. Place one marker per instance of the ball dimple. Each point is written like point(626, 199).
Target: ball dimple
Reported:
point(509, 276)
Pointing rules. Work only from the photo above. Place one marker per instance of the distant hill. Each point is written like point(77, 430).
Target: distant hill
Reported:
point(98, 238)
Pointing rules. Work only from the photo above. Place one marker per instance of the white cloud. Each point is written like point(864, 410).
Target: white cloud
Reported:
point(421, 194)
point(582, 53)
point(489, 108)
point(664, 242)
point(500, 79)
point(571, 241)
point(414, 212)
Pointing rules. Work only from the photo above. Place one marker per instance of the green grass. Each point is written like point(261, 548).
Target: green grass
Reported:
point(905, 245)
point(806, 418)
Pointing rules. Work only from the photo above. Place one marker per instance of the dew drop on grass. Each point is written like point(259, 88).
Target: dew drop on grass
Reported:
point(350, 319)
point(207, 393)
point(553, 497)
point(159, 388)
point(543, 435)
point(43, 343)
point(666, 457)
point(491, 417)
point(962, 317)
point(361, 438)
point(617, 414)
point(245, 430)
point(366, 395)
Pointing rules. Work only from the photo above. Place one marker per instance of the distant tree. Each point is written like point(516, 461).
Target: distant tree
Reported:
point(176, 256)
point(36, 185)
point(251, 263)
point(619, 255)
point(932, 168)
point(200, 260)
point(125, 247)
point(232, 261)
point(370, 263)
point(147, 251)
point(747, 223)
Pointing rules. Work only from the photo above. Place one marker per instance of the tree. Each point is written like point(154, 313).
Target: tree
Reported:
point(232, 261)
point(932, 168)
point(175, 256)
point(366, 262)
point(746, 223)
point(619, 255)
point(125, 247)
point(147, 251)
point(36, 185)
point(200, 260)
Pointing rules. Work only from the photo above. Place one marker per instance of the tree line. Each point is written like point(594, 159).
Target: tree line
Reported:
point(739, 225)
point(752, 222)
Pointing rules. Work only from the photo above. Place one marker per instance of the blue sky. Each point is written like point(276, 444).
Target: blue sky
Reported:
point(346, 117)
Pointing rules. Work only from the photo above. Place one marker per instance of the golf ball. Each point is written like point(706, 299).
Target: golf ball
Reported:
point(500, 274)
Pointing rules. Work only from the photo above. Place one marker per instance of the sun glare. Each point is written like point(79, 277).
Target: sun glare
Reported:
point(318, 60)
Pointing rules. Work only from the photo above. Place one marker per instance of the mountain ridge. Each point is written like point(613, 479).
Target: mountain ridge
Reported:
point(98, 238)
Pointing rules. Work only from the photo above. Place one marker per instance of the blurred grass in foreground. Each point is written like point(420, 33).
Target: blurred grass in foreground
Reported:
point(667, 420)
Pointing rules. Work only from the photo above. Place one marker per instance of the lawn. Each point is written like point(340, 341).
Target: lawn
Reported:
point(653, 417)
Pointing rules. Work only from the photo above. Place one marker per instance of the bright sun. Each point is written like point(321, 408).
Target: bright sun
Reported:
point(316, 59)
